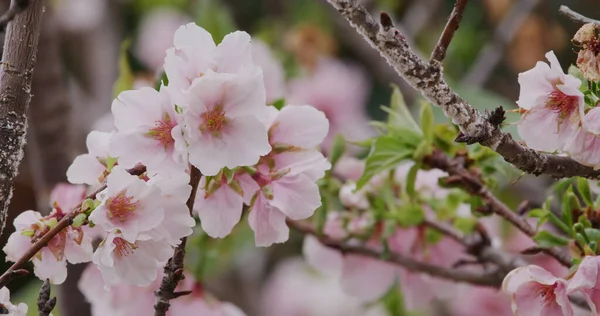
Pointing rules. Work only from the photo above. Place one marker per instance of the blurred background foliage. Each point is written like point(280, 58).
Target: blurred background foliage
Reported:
point(101, 42)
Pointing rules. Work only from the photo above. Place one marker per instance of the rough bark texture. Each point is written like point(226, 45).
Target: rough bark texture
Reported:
point(15, 93)
point(427, 78)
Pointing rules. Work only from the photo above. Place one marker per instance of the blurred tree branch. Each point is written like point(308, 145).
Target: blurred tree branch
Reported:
point(579, 18)
point(16, 6)
point(18, 61)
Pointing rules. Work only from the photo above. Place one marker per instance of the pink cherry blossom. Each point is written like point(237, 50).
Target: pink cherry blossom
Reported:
point(351, 199)
point(129, 204)
point(553, 106)
point(588, 57)
point(147, 124)
point(273, 74)
point(585, 146)
point(349, 168)
point(136, 263)
point(13, 310)
point(340, 91)
point(67, 196)
point(535, 291)
point(221, 124)
point(293, 289)
point(155, 35)
point(195, 54)
point(90, 168)
point(478, 300)
point(587, 281)
point(71, 245)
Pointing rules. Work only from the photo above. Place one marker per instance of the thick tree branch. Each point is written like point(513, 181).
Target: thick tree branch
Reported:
point(486, 279)
point(18, 60)
point(16, 6)
point(439, 52)
point(173, 272)
point(427, 78)
point(45, 303)
point(475, 186)
point(40, 243)
point(577, 17)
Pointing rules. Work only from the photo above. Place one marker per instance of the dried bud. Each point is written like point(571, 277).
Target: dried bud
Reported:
point(585, 34)
point(588, 57)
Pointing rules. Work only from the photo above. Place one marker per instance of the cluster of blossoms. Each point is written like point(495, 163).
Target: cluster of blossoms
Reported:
point(212, 116)
point(559, 114)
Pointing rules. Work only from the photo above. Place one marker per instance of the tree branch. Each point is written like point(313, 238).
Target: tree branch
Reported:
point(475, 186)
point(45, 303)
point(15, 7)
point(493, 279)
point(577, 17)
point(427, 78)
point(173, 271)
point(439, 52)
point(20, 50)
point(65, 222)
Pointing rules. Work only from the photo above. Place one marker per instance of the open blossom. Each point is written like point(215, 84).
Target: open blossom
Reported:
point(90, 168)
point(9, 308)
point(128, 204)
point(588, 57)
point(553, 106)
point(195, 54)
point(340, 91)
point(121, 261)
point(587, 281)
point(585, 146)
point(71, 244)
point(67, 196)
point(535, 291)
point(221, 124)
point(147, 124)
point(478, 300)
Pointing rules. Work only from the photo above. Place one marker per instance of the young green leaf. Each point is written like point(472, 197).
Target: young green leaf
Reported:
point(387, 152)
point(583, 186)
point(427, 123)
point(545, 239)
point(126, 78)
point(399, 114)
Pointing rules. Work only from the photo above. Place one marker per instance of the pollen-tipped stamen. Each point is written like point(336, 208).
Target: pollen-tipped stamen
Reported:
point(123, 248)
point(161, 131)
point(562, 103)
point(121, 207)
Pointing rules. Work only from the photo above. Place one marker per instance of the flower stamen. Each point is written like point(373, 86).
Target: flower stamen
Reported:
point(121, 207)
point(123, 248)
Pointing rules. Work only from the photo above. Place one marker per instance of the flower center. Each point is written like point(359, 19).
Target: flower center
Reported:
point(121, 207)
point(564, 104)
point(547, 293)
point(161, 131)
point(213, 121)
point(123, 248)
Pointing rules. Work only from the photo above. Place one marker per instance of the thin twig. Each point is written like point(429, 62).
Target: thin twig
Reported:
point(173, 271)
point(475, 186)
point(577, 17)
point(15, 7)
point(439, 52)
point(45, 303)
point(475, 127)
point(65, 222)
point(491, 54)
point(493, 279)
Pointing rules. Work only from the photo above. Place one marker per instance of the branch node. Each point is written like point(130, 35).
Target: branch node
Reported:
point(386, 21)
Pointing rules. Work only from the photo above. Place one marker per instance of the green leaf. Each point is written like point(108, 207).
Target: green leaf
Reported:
point(394, 302)
point(386, 152)
point(465, 224)
point(545, 239)
point(410, 215)
point(411, 178)
point(570, 203)
point(593, 234)
point(427, 123)
point(279, 103)
point(229, 174)
point(583, 186)
point(126, 77)
point(399, 114)
point(337, 149)
point(79, 219)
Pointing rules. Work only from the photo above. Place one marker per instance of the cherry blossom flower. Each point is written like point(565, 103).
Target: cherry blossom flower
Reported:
point(294, 289)
point(155, 35)
point(478, 300)
point(195, 54)
point(273, 75)
point(9, 308)
point(67, 196)
point(588, 57)
point(585, 146)
point(121, 261)
point(71, 244)
point(553, 106)
point(587, 281)
point(221, 124)
point(340, 91)
point(147, 124)
point(128, 204)
point(535, 291)
point(351, 199)
point(90, 168)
